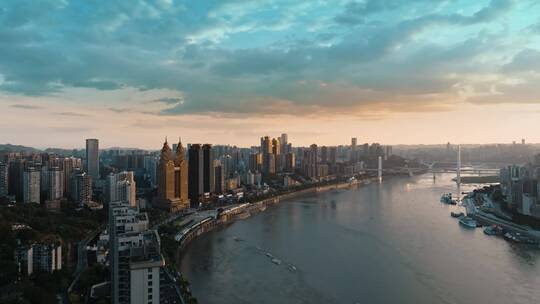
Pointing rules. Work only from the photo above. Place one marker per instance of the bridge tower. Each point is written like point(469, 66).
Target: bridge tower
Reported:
point(458, 172)
point(379, 171)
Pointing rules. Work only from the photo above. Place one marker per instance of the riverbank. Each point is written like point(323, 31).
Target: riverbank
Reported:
point(486, 218)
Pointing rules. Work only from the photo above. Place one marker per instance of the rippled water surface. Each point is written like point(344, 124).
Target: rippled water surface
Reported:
point(381, 243)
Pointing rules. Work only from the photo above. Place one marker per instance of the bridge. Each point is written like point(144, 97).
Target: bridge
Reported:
point(442, 167)
point(452, 167)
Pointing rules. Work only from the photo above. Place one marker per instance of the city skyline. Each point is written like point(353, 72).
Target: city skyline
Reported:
point(395, 72)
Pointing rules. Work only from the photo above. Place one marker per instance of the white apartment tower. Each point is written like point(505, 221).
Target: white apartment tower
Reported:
point(121, 187)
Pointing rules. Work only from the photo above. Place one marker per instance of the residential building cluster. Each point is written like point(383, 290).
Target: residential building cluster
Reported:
point(38, 178)
point(45, 256)
point(184, 177)
point(520, 186)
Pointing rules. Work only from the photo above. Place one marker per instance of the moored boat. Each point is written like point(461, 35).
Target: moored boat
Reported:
point(494, 230)
point(519, 238)
point(447, 199)
point(467, 222)
point(457, 214)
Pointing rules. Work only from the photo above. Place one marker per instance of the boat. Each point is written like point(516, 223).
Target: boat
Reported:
point(467, 222)
point(511, 237)
point(276, 261)
point(268, 254)
point(494, 230)
point(292, 268)
point(457, 214)
point(447, 199)
point(519, 238)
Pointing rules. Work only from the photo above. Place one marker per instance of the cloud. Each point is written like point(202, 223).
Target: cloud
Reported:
point(263, 58)
point(26, 106)
point(72, 114)
point(527, 60)
point(120, 110)
point(169, 100)
point(357, 12)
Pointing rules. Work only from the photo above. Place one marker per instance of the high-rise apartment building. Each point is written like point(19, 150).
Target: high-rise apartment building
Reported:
point(269, 149)
point(196, 173)
point(290, 162)
point(150, 167)
point(284, 141)
point(332, 157)
point(255, 162)
point(324, 154)
point(208, 169)
point(135, 257)
point(4, 179)
point(310, 162)
point(92, 158)
point(55, 183)
point(172, 179)
point(81, 187)
point(121, 187)
point(16, 172)
point(69, 165)
point(31, 184)
point(354, 155)
point(219, 177)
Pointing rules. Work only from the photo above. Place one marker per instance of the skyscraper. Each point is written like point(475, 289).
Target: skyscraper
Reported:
point(172, 179)
point(92, 158)
point(208, 170)
point(268, 147)
point(354, 152)
point(196, 175)
point(150, 167)
point(310, 162)
point(255, 162)
point(284, 141)
point(55, 183)
point(219, 176)
point(4, 179)
point(70, 164)
point(15, 174)
point(31, 184)
point(276, 150)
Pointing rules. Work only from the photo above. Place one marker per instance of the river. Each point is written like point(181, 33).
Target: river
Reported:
point(392, 242)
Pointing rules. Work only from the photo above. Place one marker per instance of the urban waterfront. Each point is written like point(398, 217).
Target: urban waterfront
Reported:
point(382, 243)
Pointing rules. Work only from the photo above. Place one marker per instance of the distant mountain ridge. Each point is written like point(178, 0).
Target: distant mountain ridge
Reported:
point(18, 148)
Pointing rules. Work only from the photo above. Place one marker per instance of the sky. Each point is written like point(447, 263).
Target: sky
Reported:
point(131, 73)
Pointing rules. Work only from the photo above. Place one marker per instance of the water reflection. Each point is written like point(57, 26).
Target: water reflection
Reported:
point(382, 243)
